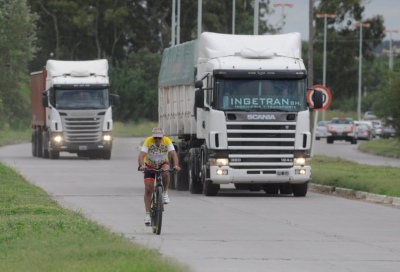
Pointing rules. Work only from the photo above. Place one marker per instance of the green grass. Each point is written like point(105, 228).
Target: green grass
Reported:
point(382, 147)
point(133, 130)
point(9, 137)
point(384, 180)
point(36, 234)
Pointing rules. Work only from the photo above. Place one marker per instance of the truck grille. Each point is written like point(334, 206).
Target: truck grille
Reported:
point(82, 129)
point(261, 145)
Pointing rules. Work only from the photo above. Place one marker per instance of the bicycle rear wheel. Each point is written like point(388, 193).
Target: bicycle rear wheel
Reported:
point(159, 209)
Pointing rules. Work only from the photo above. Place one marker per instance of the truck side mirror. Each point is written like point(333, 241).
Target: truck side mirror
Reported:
point(45, 100)
point(198, 84)
point(116, 100)
point(199, 99)
point(318, 99)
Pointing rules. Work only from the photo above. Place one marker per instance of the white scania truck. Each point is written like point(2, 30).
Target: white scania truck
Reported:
point(71, 109)
point(237, 104)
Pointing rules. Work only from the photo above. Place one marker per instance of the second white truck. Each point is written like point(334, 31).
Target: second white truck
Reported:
point(237, 104)
point(72, 109)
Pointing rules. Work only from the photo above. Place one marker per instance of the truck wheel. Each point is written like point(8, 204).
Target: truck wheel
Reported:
point(329, 140)
point(271, 188)
point(107, 154)
point(354, 140)
point(210, 189)
point(285, 189)
point(171, 174)
point(54, 155)
point(39, 142)
point(180, 178)
point(33, 141)
point(300, 189)
point(45, 145)
point(241, 186)
point(195, 187)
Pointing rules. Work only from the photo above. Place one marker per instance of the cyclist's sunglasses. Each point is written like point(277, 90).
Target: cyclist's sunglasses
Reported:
point(157, 138)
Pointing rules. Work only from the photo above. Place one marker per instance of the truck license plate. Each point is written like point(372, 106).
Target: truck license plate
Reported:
point(82, 147)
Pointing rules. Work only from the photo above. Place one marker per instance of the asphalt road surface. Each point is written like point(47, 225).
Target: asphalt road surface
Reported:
point(234, 231)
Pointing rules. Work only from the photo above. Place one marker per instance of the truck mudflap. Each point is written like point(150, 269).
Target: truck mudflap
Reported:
point(294, 175)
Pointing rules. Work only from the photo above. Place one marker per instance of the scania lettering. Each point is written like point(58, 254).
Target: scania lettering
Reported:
point(237, 108)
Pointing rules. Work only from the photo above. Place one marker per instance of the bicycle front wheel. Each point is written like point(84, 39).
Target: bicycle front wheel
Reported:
point(159, 208)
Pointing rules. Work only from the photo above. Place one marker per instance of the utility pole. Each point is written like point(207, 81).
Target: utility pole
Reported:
point(199, 16)
point(310, 43)
point(361, 25)
point(256, 14)
point(391, 48)
point(325, 16)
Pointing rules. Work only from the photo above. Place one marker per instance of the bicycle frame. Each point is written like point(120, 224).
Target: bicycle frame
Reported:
point(157, 202)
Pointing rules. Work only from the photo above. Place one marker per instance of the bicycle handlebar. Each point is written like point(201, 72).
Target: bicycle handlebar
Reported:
point(158, 170)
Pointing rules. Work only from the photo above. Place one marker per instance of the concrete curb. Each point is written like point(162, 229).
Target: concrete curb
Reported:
point(349, 193)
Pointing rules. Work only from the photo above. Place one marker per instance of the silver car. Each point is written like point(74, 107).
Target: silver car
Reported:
point(378, 127)
point(321, 131)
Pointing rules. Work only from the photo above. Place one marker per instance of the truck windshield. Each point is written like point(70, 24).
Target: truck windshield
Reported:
point(81, 99)
point(260, 94)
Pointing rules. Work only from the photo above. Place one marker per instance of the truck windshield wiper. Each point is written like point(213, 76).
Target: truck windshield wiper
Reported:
point(275, 110)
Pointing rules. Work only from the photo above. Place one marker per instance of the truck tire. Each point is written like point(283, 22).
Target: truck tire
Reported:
point(195, 186)
point(107, 154)
point(45, 145)
point(271, 188)
point(210, 189)
point(354, 140)
point(39, 142)
point(54, 155)
point(180, 178)
point(241, 186)
point(33, 141)
point(171, 174)
point(285, 189)
point(300, 189)
point(329, 140)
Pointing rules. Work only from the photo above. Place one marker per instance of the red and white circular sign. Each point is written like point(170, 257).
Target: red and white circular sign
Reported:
point(327, 97)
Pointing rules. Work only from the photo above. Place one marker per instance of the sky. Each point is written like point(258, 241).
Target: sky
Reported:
point(297, 15)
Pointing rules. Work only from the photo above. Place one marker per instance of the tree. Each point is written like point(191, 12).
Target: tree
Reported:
point(343, 47)
point(17, 48)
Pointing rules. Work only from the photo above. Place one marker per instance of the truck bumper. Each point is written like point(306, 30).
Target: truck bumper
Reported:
point(81, 147)
point(294, 175)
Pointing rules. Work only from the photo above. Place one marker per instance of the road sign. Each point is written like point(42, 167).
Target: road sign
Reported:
point(327, 97)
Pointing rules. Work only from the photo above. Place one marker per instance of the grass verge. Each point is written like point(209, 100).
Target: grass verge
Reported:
point(383, 180)
point(36, 234)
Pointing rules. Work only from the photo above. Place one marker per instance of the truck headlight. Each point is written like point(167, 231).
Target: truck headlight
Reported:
point(219, 162)
point(107, 137)
point(57, 138)
point(299, 161)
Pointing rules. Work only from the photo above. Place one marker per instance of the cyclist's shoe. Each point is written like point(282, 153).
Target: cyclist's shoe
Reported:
point(166, 198)
point(147, 220)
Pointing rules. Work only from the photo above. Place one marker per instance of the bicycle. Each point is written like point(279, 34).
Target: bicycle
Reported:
point(157, 201)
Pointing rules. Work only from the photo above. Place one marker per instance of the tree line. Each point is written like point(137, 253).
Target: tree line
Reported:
point(132, 34)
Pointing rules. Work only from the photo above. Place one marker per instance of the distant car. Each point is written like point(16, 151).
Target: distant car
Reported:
point(378, 127)
point(364, 131)
point(321, 131)
point(368, 123)
point(368, 115)
point(388, 131)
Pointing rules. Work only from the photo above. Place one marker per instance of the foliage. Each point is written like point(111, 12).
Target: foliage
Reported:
point(17, 48)
point(343, 39)
point(387, 102)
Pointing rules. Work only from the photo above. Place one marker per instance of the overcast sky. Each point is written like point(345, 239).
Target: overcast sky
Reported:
point(297, 16)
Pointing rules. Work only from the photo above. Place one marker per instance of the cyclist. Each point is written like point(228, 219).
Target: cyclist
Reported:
point(154, 155)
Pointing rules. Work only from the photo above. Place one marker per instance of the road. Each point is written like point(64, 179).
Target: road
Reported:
point(234, 231)
point(347, 151)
